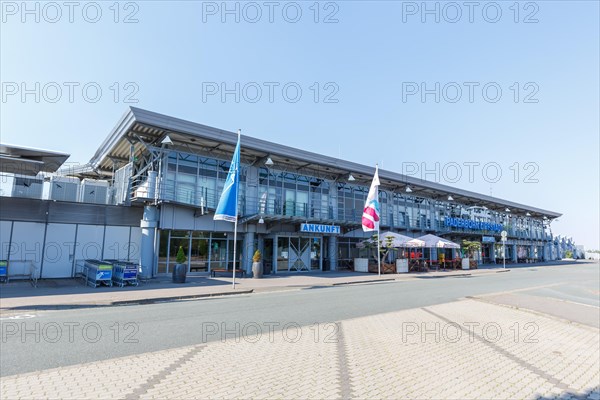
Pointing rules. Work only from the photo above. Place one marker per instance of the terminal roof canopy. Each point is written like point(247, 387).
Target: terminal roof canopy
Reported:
point(29, 161)
point(140, 128)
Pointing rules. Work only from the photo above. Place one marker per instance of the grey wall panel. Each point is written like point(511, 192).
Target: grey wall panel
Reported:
point(59, 251)
point(90, 242)
point(27, 244)
point(135, 243)
point(182, 218)
point(116, 243)
point(5, 231)
point(13, 209)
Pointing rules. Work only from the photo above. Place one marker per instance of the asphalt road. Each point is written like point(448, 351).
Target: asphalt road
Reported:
point(50, 339)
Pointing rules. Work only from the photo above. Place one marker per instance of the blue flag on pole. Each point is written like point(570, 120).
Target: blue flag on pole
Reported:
point(227, 209)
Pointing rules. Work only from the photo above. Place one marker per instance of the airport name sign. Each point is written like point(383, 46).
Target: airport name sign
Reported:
point(470, 224)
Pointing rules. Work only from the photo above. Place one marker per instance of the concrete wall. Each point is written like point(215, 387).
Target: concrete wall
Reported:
point(54, 236)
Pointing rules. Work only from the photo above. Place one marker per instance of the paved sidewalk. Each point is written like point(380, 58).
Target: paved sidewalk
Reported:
point(70, 293)
point(460, 350)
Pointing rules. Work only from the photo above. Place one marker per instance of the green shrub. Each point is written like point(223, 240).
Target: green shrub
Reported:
point(181, 258)
point(257, 256)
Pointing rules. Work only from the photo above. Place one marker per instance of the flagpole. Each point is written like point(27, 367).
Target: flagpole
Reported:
point(236, 216)
point(378, 253)
point(378, 238)
point(234, 248)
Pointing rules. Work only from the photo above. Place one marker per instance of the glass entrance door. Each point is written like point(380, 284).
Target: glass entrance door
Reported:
point(298, 254)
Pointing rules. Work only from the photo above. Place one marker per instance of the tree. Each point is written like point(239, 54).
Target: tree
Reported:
point(470, 247)
point(181, 258)
point(384, 246)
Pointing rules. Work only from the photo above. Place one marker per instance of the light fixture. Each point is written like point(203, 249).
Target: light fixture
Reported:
point(351, 178)
point(528, 215)
point(408, 189)
point(450, 198)
point(261, 220)
point(269, 162)
point(507, 209)
point(166, 140)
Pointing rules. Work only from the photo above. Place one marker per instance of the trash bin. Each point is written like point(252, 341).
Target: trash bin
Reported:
point(179, 273)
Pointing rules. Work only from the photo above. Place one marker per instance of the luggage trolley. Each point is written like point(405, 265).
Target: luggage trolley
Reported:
point(4, 270)
point(124, 272)
point(97, 272)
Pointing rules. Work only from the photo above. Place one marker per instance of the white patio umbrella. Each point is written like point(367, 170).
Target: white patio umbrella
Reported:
point(397, 240)
point(432, 241)
point(436, 241)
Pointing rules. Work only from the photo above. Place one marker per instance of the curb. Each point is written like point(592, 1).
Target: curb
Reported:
point(232, 293)
point(358, 282)
point(176, 298)
point(99, 304)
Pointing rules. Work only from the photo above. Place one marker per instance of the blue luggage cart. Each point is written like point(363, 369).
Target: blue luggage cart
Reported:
point(124, 272)
point(97, 272)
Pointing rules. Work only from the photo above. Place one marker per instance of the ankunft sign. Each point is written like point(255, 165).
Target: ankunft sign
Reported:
point(470, 224)
point(316, 228)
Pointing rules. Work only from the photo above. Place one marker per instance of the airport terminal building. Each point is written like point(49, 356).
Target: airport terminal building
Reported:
point(153, 185)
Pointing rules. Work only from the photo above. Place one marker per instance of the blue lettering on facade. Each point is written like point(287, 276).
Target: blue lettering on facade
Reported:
point(470, 224)
point(316, 228)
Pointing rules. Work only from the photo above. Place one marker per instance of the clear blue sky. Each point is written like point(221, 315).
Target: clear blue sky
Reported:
point(372, 57)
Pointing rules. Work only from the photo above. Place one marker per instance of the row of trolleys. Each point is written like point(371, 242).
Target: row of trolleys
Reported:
point(107, 272)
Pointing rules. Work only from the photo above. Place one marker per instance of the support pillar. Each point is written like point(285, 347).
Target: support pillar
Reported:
point(248, 252)
point(514, 253)
point(148, 224)
point(333, 253)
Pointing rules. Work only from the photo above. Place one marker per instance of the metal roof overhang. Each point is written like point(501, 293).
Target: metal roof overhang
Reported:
point(29, 161)
point(138, 128)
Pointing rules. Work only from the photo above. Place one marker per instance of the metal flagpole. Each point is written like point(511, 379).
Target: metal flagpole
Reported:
point(378, 238)
point(234, 247)
point(378, 253)
point(237, 189)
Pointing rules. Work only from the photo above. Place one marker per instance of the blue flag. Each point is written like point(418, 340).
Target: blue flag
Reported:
point(227, 209)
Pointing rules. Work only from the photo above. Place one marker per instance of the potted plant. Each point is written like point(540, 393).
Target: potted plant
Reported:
point(257, 270)
point(180, 269)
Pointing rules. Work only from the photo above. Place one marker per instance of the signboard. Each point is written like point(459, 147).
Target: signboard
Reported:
point(488, 239)
point(130, 271)
point(103, 272)
point(3, 268)
point(316, 228)
point(470, 224)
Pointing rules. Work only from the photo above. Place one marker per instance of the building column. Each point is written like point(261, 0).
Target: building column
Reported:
point(148, 224)
point(274, 268)
point(248, 252)
point(531, 250)
point(514, 253)
point(333, 253)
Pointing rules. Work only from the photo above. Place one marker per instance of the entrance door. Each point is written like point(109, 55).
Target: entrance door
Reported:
point(299, 254)
point(294, 254)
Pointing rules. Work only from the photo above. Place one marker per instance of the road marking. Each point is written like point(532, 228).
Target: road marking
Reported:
point(21, 316)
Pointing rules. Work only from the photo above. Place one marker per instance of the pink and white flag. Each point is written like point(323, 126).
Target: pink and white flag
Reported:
point(370, 217)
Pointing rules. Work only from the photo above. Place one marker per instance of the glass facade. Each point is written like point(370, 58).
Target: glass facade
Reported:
point(204, 250)
point(197, 180)
point(290, 196)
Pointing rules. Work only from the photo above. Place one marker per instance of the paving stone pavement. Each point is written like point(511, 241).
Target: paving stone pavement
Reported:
point(461, 350)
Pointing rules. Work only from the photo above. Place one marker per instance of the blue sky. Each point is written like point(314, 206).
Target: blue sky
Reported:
point(370, 68)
